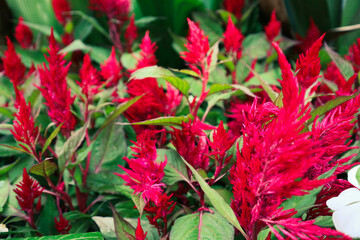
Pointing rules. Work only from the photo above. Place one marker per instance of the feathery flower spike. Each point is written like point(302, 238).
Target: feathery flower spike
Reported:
point(89, 76)
point(23, 34)
point(139, 232)
point(62, 11)
point(111, 69)
point(233, 39)
point(118, 9)
point(273, 28)
point(131, 33)
point(234, 6)
point(62, 225)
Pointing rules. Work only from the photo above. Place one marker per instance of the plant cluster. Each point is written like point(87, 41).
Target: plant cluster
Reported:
point(242, 143)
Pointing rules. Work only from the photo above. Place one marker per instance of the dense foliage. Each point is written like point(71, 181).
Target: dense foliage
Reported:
point(98, 141)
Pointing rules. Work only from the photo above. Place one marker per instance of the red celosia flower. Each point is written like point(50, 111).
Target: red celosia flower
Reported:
point(191, 143)
point(62, 225)
point(160, 211)
point(272, 30)
point(139, 232)
point(308, 66)
point(234, 6)
point(131, 33)
point(118, 9)
point(27, 191)
point(147, 53)
point(111, 69)
point(14, 68)
point(198, 47)
point(233, 39)
point(23, 34)
point(90, 81)
point(354, 55)
point(67, 38)
point(62, 10)
point(24, 127)
point(333, 74)
point(312, 35)
point(146, 174)
point(54, 87)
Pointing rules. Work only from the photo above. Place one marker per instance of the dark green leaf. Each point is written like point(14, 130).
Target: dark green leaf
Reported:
point(6, 168)
point(46, 222)
point(51, 137)
point(345, 67)
point(255, 46)
point(108, 182)
point(217, 201)
point(167, 75)
point(44, 168)
point(4, 190)
point(213, 226)
point(93, 22)
point(329, 106)
point(163, 121)
point(44, 29)
point(122, 227)
point(175, 169)
point(82, 236)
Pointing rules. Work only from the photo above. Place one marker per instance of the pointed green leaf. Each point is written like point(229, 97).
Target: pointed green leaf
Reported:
point(44, 29)
point(217, 201)
point(4, 190)
point(4, 169)
point(139, 202)
point(74, 46)
point(187, 72)
point(14, 148)
point(122, 227)
point(44, 168)
point(175, 169)
point(81, 236)
point(213, 226)
point(218, 87)
point(159, 72)
point(345, 67)
point(93, 22)
point(163, 121)
point(51, 137)
point(329, 106)
point(214, 51)
point(119, 110)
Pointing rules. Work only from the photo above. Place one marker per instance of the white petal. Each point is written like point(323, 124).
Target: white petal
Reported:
point(347, 220)
point(352, 176)
point(346, 197)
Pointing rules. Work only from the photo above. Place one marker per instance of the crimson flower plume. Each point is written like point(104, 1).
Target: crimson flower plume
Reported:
point(14, 68)
point(118, 9)
point(273, 28)
point(139, 232)
point(234, 6)
point(147, 53)
point(54, 87)
point(354, 55)
point(111, 69)
point(90, 79)
point(233, 39)
point(62, 225)
point(23, 34)
point(62, 11)
point(131, 33)
point(312, 35)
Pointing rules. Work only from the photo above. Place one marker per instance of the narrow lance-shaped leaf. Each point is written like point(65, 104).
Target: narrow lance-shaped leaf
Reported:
point(139, 202)
point(344, 66)
point(163, 121)
point(122, 227)
point(51, 137)
point(329, 106)
point(217, 201)
point(159, 72)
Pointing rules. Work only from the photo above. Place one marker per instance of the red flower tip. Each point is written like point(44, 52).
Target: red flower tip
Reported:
point(24, 127)
point(272, 30)
point(221, 142)
point(90, 80)
point(233, 39)
point(62, 10)
point(23, 34)
point(14, 68)
point(111, 69)
point(139, 232)
point(308, 66)
point(62, 225)
point(54, 87)
point(197, 46)
point(118, 9)
point(147, 53)
point(234, 6)
point(312, 35)
point(131, 33)
point(354, 55)
point(27, 191)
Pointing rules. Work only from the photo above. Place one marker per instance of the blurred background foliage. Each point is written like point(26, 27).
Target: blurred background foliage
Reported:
point(166, 20)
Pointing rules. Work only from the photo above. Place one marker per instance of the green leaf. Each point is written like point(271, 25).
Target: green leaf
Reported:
point(108, 182)
point(4, 169)
point(175, 169)
point(44, 29)
point(106, 226)
point(74, 46)
point(163, 121)
point(217, 87)
point(5, 126)
point(46, 222)
point(4, 190)
point(324, 221)
point(93, 22)
point(82, 30)
point(119, 110)
point(187, 72)
point(51, 137)
point(213, 226)
point(345, 67)
point(214, 51)
point(159, 72)
point(329, 106)
point(70, 146)
point(122, 227)
point(82, 236)
point(139, 203)
point(7, 113)
point(217, 201)
point(14, 148)
point(255, 46)
point(210, 25)
point(44, 168)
